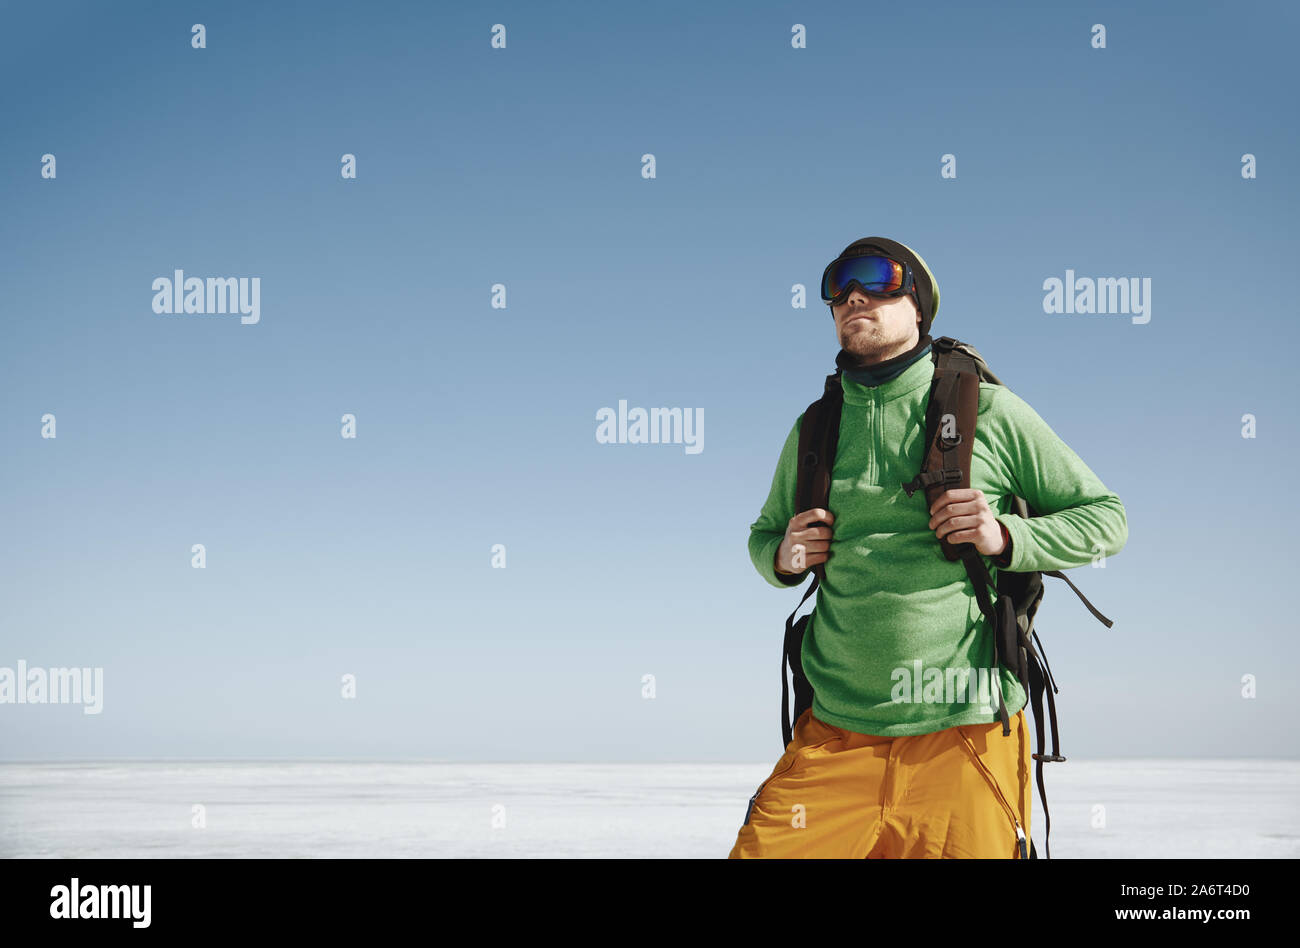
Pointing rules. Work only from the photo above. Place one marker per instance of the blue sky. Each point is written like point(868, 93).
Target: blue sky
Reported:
point(476, 426)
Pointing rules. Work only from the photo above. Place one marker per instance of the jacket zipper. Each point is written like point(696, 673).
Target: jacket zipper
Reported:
point(876, 439)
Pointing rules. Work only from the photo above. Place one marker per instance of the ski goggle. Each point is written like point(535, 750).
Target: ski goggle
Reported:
point(874, 274)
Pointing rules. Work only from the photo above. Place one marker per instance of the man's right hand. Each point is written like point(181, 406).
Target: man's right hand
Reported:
point(815, 540)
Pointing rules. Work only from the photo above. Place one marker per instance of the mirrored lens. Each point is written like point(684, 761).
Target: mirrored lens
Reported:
point(876, 274)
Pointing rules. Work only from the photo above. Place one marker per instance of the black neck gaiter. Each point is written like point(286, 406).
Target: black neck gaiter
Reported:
point(877, 373)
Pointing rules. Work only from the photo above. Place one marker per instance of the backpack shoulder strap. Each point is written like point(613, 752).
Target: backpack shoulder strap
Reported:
point(819, 437)
point(950, 418)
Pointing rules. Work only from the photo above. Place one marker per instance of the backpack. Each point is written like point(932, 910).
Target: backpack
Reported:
point(954, 397)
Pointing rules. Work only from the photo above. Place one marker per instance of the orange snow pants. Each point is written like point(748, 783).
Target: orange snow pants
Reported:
point(962, 792)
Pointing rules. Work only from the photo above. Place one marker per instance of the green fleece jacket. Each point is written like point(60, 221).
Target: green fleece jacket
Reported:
point(896, 640)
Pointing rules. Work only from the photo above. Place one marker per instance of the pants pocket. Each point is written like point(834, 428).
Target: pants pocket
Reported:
point(991, 779)
point(786, 764)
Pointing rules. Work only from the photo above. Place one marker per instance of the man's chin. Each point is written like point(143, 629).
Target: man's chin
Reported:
point(861, 343)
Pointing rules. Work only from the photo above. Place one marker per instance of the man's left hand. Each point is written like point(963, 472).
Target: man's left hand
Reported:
point(962, 515)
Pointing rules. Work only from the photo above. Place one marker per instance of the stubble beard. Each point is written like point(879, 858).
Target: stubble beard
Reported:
point(865, 340)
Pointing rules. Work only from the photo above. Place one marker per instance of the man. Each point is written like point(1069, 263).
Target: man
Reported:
point(877, 768)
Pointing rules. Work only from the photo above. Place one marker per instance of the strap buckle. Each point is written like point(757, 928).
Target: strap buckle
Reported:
point(1048, 758)
point(948, 475)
